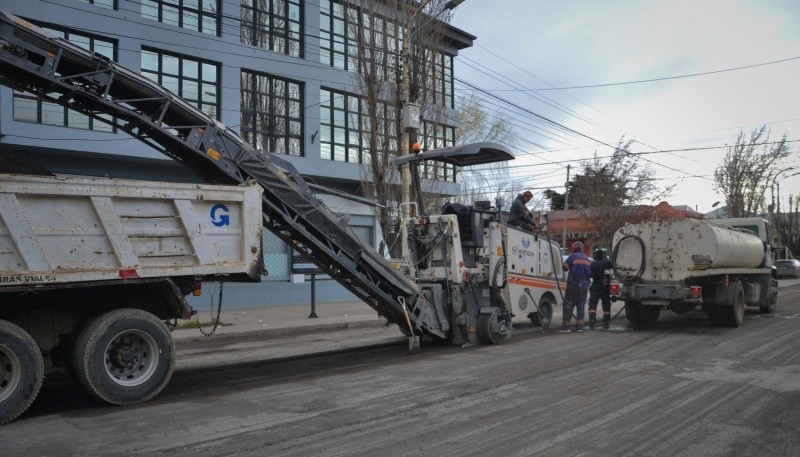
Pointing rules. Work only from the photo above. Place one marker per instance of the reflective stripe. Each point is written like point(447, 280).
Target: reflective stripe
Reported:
point(535, 282)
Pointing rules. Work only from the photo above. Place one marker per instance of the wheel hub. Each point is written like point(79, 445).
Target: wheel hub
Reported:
point(125, 356)
point(131, 358)
point(9, 373)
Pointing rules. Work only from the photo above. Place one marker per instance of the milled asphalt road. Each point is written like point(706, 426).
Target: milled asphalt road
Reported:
point(677, 388)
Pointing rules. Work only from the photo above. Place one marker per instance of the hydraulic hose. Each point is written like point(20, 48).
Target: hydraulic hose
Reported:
point(614, 253)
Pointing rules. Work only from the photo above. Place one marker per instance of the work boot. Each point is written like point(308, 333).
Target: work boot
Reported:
point(591, 323)
point(606, 325)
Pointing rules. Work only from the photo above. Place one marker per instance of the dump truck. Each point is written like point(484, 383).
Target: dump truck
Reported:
point(719, 265)
point(90, 268)
point(94, 267)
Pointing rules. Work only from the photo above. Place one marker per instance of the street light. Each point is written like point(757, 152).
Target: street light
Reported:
point(777, 184)
point(774, 180)
point(566, 199)
point(410, 110)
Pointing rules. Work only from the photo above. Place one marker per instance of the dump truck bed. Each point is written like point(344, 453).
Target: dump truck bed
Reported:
point(67, 229)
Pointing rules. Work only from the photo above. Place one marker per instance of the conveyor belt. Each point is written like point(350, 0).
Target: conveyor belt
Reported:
point(64, 73)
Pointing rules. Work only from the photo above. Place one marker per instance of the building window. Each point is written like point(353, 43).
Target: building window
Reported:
point(273, 25)
point(345, 127)
point(111, 4)
point(272, 113)
point(196, 81)
point(436, 136)
point(340, 43)
point(35, 109)
point(199, 15)
point(440, 76)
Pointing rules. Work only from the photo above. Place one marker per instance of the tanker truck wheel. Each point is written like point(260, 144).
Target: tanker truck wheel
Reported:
point(124, 356)
point(732, 312)
point(21, 371)
point(494, 325)
point(632, 312)
point(768, 303)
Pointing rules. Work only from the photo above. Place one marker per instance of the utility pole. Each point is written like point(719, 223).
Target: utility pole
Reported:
point(566, 200)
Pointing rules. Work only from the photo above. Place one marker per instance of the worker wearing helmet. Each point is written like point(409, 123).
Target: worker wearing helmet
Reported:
point(518, 215)
point(580, 270)
point(598, 291)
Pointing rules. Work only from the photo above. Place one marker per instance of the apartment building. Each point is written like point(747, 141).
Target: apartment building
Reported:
point(281, 72)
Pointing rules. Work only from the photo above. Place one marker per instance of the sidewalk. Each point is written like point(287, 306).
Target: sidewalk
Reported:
point(287, 320)
point(279, 320)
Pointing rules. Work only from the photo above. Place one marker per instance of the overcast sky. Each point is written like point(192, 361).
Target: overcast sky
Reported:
point(544, 44)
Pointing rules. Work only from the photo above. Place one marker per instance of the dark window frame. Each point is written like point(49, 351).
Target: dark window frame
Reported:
point(345, 127)
point(201, 10)
point(435, 136)
point(201, 100)
point(337, 49)
point(283, 114)
point(92, 124)
point(272, 28)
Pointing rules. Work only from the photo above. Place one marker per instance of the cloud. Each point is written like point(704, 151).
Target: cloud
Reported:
point(569, 43)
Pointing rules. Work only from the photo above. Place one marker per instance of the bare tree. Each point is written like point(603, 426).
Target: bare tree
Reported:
point(490, 181)
point(748, 170)
point(607, 189)
point(374, 41)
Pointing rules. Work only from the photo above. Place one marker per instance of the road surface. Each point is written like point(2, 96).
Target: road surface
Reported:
point(679, 388)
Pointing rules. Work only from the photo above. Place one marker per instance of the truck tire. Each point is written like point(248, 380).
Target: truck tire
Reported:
point(632, 312)
point(21, 371)
point(732, 312)
point(124, 356)
point(770, 299)
point(546, 309)
point(494, 327)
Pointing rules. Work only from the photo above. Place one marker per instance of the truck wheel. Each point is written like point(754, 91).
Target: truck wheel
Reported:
point(494, 327)
point(733, 310)
point(768, 303)
point(21, 371)
point(124, 356)
point(546, 308)
point(632, 312)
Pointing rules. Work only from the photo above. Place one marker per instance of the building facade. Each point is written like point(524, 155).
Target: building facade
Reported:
point(281, 72)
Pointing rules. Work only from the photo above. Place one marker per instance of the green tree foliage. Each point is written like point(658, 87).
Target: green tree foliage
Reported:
point(556, 199)
point(622, 179)
point(748, 169)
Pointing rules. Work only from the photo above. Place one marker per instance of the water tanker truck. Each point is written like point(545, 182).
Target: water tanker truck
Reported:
point(720, 265)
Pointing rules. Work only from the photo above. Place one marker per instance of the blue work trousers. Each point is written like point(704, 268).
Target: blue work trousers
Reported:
point(576, 296)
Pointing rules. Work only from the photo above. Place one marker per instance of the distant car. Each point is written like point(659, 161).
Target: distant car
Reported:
point(788, 268)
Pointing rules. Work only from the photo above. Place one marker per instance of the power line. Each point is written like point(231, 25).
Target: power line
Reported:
point(663, 78)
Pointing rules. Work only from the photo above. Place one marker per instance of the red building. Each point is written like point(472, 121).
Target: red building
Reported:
point(581, 227)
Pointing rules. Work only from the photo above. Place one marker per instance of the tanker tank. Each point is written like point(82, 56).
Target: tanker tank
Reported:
point(677, 249)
